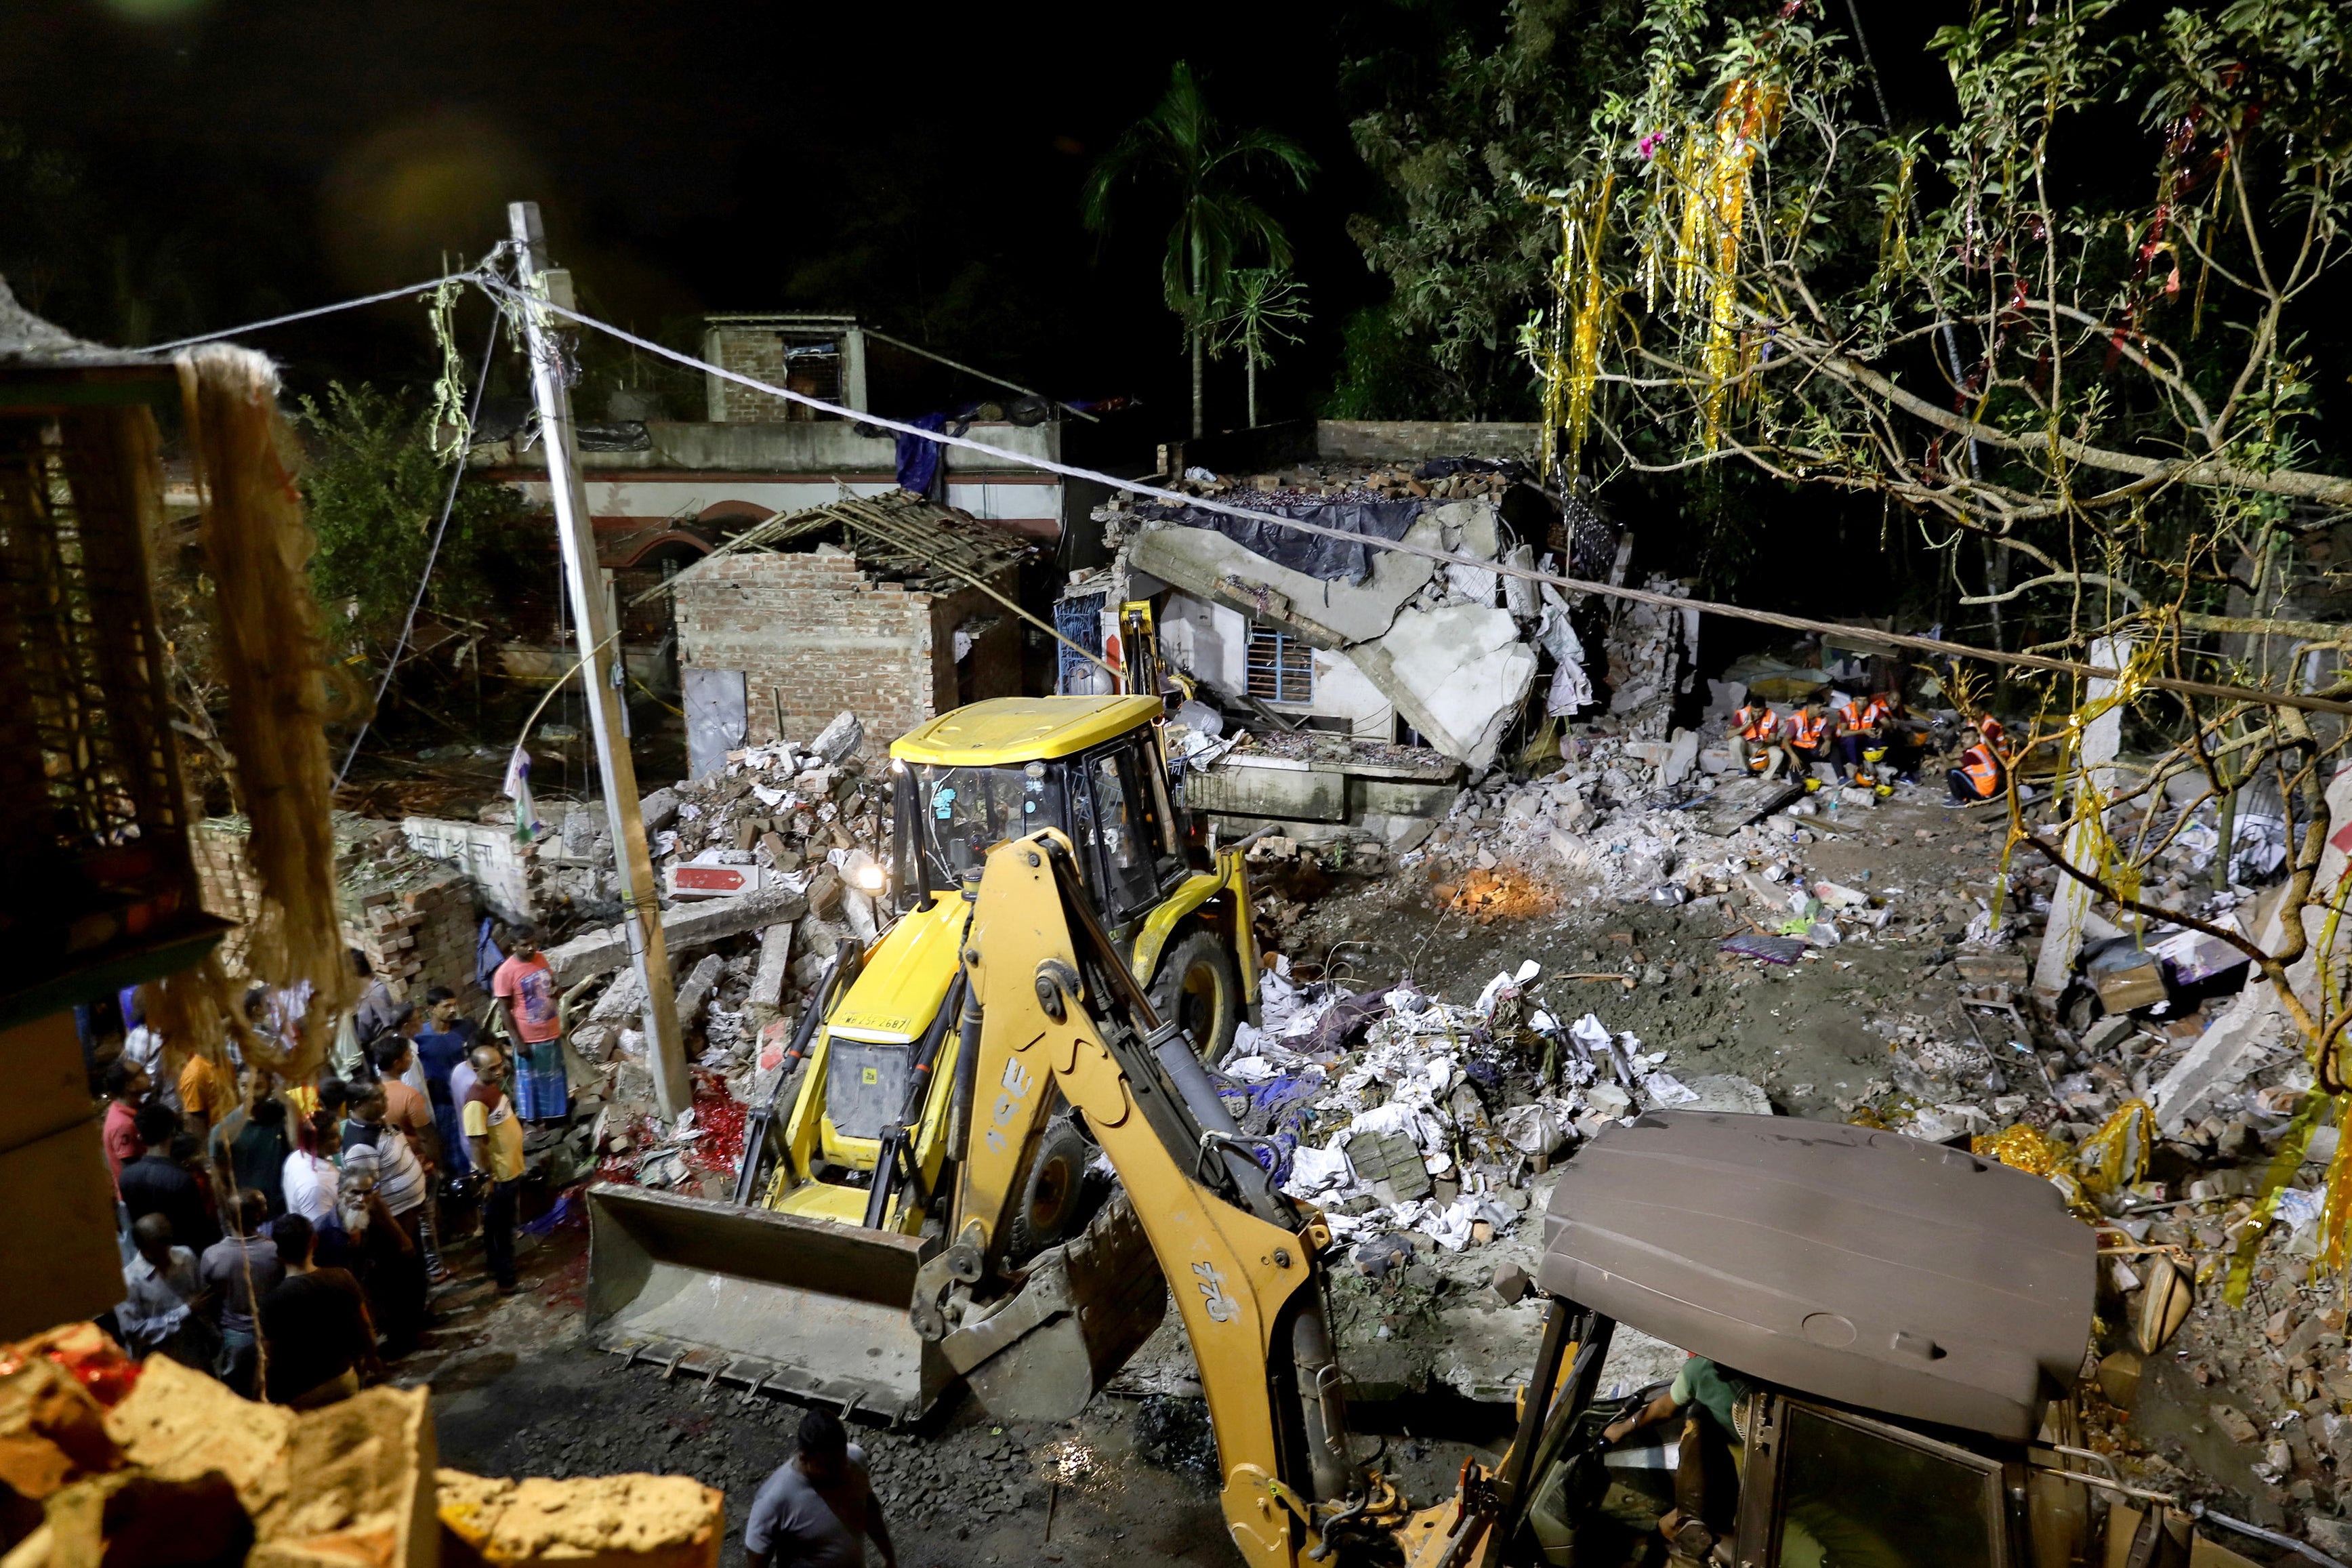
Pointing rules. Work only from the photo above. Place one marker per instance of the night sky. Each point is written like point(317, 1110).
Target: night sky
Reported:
point(242, 159)
point(239, 158)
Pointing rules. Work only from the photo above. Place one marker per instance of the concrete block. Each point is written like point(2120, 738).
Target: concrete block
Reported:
point(697, 925)
point(699, 986)
point(840, 740)
point(485, 852)
point(775, 964)
point(1274, 787)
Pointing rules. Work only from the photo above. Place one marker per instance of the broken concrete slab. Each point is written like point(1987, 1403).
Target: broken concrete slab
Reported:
point(699, 985)
point(485, 851)
point(839, 741)
point(1458, 674)
point(1489, 1352)
point(1729, 1092)
point(766, 997)
point(659, 809)
point(597, 952)
point(1208, 565)
point(1734, 806)
point(2070, 900)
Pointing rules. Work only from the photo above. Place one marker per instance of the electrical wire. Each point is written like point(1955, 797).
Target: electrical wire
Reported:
point(1935, 646)
point(432, 556)
point(429, 284)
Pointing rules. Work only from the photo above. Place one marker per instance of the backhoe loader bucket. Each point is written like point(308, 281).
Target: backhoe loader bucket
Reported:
point(767, 1301)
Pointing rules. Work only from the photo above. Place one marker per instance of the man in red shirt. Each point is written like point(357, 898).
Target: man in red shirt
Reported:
point(127, 1084)
point(526, 985)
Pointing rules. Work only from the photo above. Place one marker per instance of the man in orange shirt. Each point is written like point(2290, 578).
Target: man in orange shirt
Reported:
point(1808, 739)
point(1756, 734)
point(206, 1094)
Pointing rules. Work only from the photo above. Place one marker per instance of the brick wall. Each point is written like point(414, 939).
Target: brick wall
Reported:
point(226, 884)
point(813, 635)
point(416, 938)
point(755, 351)
point(420, 938)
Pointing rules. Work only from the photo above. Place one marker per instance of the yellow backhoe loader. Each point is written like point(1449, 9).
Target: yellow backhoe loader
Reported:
point(1908, 1319)
point(804, 1283)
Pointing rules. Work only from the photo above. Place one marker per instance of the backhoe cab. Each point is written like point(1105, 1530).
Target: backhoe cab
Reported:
point(804, 1283)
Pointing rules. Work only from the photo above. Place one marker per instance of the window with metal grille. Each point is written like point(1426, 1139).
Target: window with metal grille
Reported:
point(1281, 667)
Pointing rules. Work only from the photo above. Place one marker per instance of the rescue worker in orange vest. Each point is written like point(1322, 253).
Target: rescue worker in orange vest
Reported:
point(1981, 773)
point(1810, 730)
point(1863, 725)
point(1755, 739)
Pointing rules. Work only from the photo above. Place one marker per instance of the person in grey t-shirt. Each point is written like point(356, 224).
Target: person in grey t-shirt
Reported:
point(817, 1510)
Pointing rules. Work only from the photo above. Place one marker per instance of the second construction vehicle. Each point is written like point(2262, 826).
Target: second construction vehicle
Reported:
point(804, 1283)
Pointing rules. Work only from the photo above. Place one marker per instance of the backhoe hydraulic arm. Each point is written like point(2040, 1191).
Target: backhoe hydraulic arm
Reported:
point(1058, 1007)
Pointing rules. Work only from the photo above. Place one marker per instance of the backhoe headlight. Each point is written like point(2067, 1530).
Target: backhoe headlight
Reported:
point(868, 878)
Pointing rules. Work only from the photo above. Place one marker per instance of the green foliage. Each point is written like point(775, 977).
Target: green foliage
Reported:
point(1180, 151)
point(1260, 305)
point(1384, 375)
point(1456, 145)
point(374, 489)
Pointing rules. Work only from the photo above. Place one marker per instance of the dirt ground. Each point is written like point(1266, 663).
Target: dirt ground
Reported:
point(517, 1392)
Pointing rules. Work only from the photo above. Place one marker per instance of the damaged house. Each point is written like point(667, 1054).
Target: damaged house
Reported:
point(894, 607)
point(1343, 656)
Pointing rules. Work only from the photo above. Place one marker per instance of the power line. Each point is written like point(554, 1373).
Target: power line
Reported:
point(1706, 606)
point(306, 315)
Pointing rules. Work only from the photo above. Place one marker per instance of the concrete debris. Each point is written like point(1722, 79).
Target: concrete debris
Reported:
point(1649, 648)
point(687, 927)
point(839, 741)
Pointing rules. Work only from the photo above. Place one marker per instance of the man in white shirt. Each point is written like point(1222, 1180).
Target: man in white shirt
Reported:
point(159, 1309)
point(380, 1155)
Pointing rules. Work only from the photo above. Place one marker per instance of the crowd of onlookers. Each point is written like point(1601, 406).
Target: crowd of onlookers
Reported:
point(287, 1237)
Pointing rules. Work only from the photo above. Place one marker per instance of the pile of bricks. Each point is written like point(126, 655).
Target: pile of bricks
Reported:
point(422, 936)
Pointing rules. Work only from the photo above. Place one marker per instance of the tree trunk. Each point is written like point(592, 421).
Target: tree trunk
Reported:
point(1196, 383)
point(1198, 329)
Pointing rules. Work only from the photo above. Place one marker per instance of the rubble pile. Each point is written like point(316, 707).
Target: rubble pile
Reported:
point(2167, 1101)
point(1450, 479)
point(760, 863)
point(1649, 649)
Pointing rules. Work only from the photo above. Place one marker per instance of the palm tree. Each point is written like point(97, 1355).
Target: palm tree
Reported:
point(1260, 304)
point(1180, 146)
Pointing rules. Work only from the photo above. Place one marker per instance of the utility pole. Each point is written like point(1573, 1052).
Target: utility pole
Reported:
point(601, 672)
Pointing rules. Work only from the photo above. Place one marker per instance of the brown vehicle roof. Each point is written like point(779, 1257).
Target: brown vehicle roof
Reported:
point(1846, 1262)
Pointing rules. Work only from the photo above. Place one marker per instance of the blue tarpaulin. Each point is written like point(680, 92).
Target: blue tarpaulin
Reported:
point(919, 459)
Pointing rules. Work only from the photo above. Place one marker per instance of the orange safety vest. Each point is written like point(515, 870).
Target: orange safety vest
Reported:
point(1757, 723)
point(1854, 715)
point(1989, 728)
point(1983, 771)
point(1878, 712)
point(1809, 733)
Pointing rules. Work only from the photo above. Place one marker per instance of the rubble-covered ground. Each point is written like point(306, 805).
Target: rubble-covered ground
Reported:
point(1444, 1024)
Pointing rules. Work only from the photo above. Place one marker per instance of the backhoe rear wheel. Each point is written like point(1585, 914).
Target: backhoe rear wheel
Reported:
point(1053, 1206)
point(1199, 988)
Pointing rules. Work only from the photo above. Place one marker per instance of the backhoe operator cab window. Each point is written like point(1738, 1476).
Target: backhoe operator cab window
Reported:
point(951, 817)
point(1120, 822)
point(1856, 1493)
point(1113, 803)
